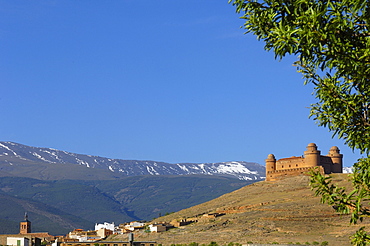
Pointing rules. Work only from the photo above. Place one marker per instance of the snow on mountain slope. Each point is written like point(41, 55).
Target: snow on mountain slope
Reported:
point(237, 169)
point(347, 169)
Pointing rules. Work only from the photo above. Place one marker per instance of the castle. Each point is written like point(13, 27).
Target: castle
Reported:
point(331, 163)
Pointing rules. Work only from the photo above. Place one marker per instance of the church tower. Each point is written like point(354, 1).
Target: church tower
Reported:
point(25, 226)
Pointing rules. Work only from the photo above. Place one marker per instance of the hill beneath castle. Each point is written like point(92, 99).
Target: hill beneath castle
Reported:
point(264, 212)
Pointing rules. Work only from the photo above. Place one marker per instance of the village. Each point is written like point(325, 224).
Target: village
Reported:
point(97, 237)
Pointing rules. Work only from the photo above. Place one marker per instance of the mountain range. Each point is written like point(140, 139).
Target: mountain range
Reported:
point(13, 153)
point(62, 191)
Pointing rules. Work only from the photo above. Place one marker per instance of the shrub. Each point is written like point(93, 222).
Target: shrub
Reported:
point(325, 243)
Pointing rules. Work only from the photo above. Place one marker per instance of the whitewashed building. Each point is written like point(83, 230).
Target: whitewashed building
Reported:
point(17, 241)
point(134, 225)
point(105, 225)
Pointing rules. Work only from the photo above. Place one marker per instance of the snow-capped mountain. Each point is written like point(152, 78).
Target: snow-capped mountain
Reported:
point(10, 151)
point(347, 169)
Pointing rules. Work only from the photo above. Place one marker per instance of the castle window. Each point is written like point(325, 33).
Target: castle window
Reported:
point(282, 166)
point(289, 165)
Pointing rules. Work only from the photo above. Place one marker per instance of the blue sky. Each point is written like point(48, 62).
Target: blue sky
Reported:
point(173, 81)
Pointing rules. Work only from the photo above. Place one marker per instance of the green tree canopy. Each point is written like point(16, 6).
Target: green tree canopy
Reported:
point(331, 41)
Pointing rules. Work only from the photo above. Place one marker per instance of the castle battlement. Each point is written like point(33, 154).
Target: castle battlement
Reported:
point(297, 165)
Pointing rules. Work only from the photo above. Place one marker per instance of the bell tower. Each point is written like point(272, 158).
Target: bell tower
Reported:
point(25, 226)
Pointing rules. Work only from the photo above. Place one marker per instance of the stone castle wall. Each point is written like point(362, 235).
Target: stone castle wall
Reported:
point(292, 166)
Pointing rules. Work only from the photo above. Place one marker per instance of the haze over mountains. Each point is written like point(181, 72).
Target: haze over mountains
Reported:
point(62, 191)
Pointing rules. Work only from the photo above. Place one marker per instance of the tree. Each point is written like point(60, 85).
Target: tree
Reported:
point(331, 41)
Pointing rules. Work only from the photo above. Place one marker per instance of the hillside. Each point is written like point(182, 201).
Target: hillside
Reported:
point(44, 217)
point(264, 212)
point(71, 204)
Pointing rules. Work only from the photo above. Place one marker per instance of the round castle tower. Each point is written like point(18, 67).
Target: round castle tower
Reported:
point(270, 163)
point(312, 156)
point(337, 159)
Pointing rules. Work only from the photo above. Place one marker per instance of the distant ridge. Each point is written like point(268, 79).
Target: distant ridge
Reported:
point(11, 152)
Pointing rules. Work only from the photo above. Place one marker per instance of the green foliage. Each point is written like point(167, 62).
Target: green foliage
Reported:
point(324, 243)
point(331, 41)
point(315, 243)
point(236, 244)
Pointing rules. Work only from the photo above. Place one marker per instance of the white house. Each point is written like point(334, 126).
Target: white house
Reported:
point(106, 225)
point(17, 241)
point(157, 227)
point(134, 225)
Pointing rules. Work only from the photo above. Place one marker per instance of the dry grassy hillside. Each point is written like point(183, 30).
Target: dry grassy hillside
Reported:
point(264, 212)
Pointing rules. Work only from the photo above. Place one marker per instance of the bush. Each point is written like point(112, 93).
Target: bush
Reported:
point(325, 243)
point(315, 243)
